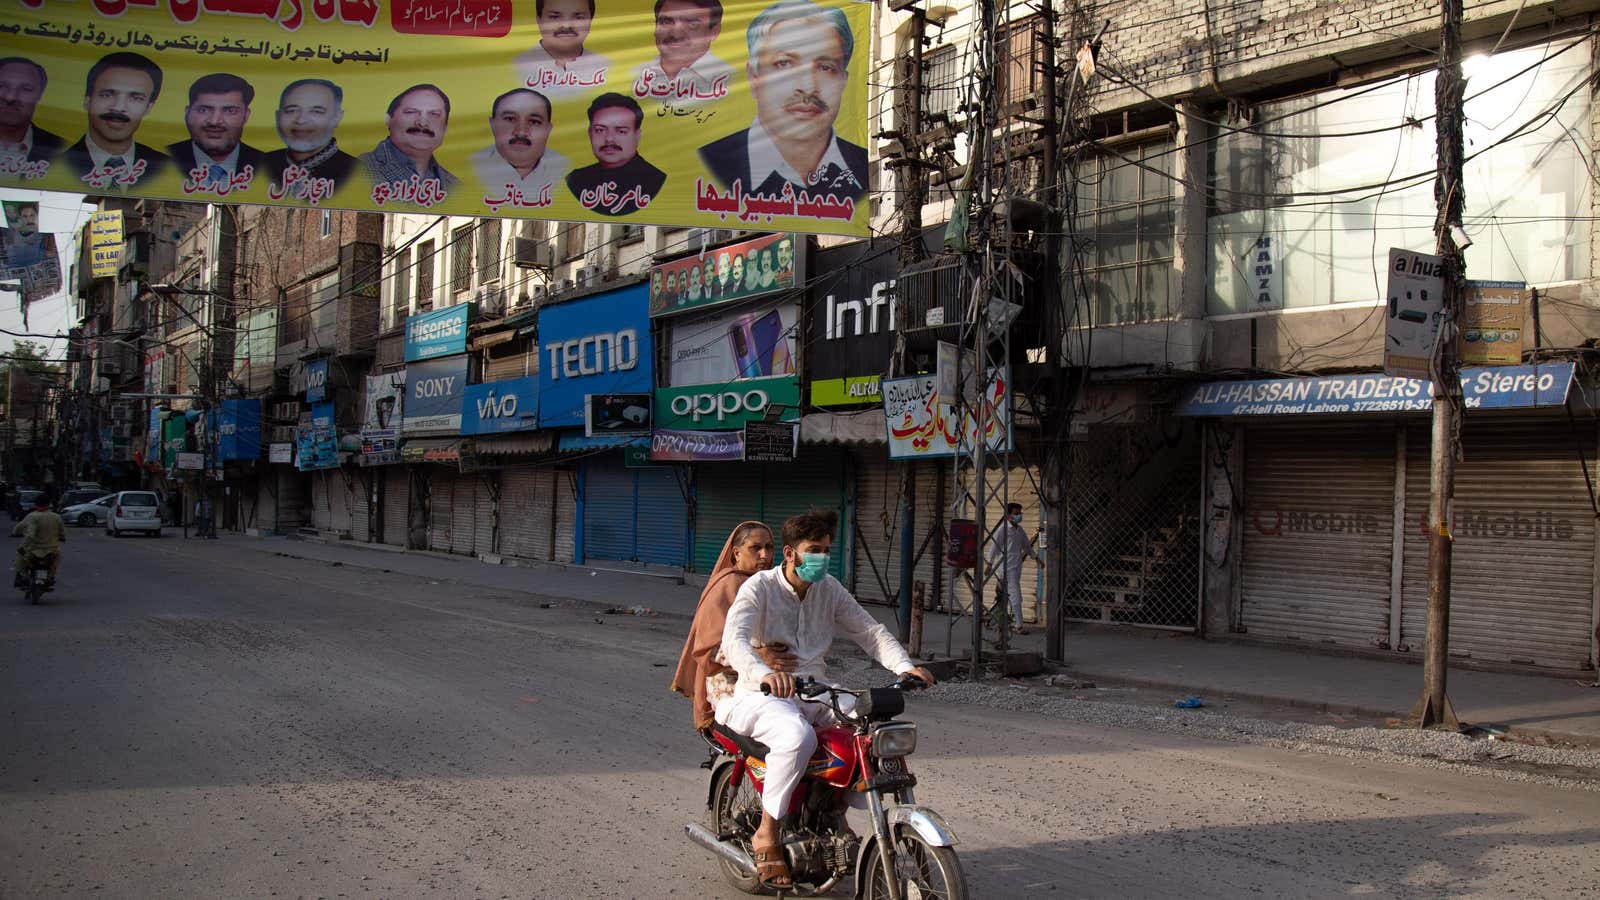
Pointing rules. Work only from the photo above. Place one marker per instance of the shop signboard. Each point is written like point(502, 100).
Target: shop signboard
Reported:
point(762, 265)
point(280, 453)
point(598, 344)
point(501, 407)
point(375, 67)
point(386, 397)
point(920, 425)
point(105, 243)
point(434, 390)
point(749, 341)
point(316, 448)
point(851, 325)
point(727, 405)
point(686, 445)
point(1414, 311)
point(380, 446)
point(617, 414)
point(438, 332)
point(1492, 320)
point(317, 381)
point(1501, 387)
point(192, 462)
point(771, 441)
point(239, 430)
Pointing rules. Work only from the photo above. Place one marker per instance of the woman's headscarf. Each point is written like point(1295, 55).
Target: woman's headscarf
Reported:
point(698, 660)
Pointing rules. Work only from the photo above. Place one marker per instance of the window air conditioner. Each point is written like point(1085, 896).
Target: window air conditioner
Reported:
point(566, 285)
point(587, 275)
point(532, 253)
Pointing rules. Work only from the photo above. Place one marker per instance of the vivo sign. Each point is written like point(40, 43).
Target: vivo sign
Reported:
point(442, 332)
point(501, 406)
point(598, 344)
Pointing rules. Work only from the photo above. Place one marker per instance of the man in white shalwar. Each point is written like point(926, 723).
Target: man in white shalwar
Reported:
point(1011, 547)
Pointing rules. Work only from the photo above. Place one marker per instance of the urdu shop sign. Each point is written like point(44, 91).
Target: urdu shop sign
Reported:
point(1500, 387)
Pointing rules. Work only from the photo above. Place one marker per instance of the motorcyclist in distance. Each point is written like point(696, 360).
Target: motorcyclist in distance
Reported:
point(42, 532)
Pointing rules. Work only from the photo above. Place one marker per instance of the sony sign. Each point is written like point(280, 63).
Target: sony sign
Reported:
point(594, 354)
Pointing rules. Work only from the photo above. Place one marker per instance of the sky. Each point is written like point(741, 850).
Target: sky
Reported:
point(62, 215)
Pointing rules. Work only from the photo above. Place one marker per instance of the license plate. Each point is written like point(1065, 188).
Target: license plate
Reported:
point(140, 513)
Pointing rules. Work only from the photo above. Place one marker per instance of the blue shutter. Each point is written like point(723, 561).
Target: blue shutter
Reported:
point(608, 508)
point(661, 516)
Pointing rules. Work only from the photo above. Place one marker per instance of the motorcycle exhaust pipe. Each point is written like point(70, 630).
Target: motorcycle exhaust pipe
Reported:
point(727, 852)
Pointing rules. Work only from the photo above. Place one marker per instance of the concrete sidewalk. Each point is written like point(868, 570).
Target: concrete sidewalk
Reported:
point(1536, 705)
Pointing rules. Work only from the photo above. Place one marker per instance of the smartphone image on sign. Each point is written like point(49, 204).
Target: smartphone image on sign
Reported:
point(770, 345)
point(746, 360)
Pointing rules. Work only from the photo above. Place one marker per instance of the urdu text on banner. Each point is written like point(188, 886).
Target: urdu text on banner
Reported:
point(741, 114)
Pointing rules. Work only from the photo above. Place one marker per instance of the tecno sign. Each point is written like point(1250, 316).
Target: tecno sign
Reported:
point(594, 354)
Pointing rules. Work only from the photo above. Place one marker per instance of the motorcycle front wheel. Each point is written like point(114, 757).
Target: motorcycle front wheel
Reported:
point(736, 810)
point(925, 872)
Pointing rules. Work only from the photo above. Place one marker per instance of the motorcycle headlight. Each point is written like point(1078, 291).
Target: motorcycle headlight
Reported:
point(894, 740)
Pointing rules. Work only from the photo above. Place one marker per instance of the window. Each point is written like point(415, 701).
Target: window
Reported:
point(327, 222)
point(425, 263)
point(944, 82)
point(1124, 230)
point(1017, 78)
point(489, 250)
point(400, 297)
point(630, 234)
point(572, 242)
point(1301, 194)
point(295, 319)
point(460, 259)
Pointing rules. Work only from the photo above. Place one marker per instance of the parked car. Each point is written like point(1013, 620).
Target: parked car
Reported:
point(90, 514)
point(22, 502)
point(78, 496)
point(134, 511)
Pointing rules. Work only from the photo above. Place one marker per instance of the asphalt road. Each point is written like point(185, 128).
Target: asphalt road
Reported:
point(201, 719)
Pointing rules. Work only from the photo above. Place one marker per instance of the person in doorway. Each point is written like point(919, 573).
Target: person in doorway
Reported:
point(801, 606)
point(202, 517)
point(1007, 551)
point(42, 532)
point(175, 509)
point(703, 673)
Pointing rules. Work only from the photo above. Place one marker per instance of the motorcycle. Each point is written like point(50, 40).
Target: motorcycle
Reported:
point(909, 854)
point(33, 587)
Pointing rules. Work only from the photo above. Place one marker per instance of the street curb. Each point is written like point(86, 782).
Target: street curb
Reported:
point(552, 595)
point(1341, 709)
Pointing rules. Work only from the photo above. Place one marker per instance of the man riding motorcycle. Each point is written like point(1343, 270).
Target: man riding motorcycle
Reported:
point(42, 533)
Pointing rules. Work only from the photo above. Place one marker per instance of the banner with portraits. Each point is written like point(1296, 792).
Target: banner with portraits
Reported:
point(27, 255)
point(708, 113)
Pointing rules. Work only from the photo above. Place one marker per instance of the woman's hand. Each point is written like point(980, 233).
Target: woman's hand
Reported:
point(777, 657)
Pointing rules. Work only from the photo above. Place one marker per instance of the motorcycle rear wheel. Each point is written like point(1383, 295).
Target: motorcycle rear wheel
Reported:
point(736, 810)
point(925, 872)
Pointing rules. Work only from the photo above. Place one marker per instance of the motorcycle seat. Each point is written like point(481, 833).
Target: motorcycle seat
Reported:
point(747, 745)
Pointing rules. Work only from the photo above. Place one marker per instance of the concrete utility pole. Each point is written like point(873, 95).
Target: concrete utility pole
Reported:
point(1434, 707)
point(1057, 395)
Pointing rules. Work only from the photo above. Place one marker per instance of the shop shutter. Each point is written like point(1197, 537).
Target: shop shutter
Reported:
point(340, 490)
point(725, 495)
point(441, 508)
point(1522, 579)
point(566, 525)
point(661, 516)
point(321, 514)
point(608, 505)
point(520, 524)
point(360, 506)
point(484, 536)
point(815, 478)
point(396, 504)
point(1319, 526)
point(464, 518)
point(877, 531)
point(516, 365)
point(294, 498)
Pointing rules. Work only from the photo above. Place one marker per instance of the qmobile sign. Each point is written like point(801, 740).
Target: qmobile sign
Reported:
point(594, 345)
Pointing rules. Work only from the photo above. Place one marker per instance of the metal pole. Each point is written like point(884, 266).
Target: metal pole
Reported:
point(910, 184)
point(1434, 707)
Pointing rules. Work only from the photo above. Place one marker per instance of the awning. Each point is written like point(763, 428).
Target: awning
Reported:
point(491, 340)
point(577, 442)
point(854, 428)
point(498, 449)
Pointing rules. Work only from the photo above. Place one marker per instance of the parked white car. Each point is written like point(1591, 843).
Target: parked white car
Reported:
point(90, 514)
point(134, 511)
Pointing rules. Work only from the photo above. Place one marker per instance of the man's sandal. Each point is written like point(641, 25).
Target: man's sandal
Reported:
point(771, 869)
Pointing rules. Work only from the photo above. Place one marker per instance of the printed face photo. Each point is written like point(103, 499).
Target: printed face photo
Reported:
point(684, 32)
point(655, 285)
point(116, 105)
point(614, 135)
point(20, 90)
point(26, 219)
point(724, 269)
point(564, 26)
point(216, 121)
point(752, 276)
point(694, 281)
point(798, 78)
point(521, 127)
point(307, 117)
point(785, 255)
point(418, 124)
point(738, 269)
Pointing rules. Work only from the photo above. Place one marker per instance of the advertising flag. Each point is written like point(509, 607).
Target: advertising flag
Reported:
point(745, 114)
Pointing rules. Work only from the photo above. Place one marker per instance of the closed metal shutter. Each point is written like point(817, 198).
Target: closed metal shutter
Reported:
point(441, 508)
point(519, 522)
point(464, 515)
point(815, 478)
point(566, 527)
point(608, 503)
point(661, 515)
point(321, 514)
point(514, 366)
point(725, 495)
point(484, 534)
point(1522, 573)
point(396, 503)
point(877, 532)
point(340, 491)
point(1319, 526)
point(361, 506)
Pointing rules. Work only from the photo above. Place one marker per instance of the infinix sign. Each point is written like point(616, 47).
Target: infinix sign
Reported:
point(853, 318)
point(501, 406)
point(726, 406)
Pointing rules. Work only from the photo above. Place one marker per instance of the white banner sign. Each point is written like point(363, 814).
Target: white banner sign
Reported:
point(921, 425)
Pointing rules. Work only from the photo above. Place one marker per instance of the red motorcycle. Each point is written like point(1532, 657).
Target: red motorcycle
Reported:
point(908, 855)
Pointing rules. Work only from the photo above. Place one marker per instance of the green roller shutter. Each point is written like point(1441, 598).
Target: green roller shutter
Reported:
point(726, 494)
point(729, 493)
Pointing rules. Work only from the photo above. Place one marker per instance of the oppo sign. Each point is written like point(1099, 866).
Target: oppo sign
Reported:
point(727, 404)
point(723, 405)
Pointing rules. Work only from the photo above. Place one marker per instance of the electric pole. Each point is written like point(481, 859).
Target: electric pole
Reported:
point(1434, 707)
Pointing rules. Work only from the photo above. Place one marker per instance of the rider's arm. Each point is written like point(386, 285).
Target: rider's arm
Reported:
point(850, 620)
point(17, 530)
point(738, 634)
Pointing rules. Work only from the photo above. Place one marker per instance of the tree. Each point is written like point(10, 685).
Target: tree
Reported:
point(28, 357)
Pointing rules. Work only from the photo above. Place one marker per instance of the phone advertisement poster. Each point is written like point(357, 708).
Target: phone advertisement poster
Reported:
point(750, 341)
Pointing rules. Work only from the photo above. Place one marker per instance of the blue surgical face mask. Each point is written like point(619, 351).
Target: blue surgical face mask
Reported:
point(811, 567)
point(1016, 519)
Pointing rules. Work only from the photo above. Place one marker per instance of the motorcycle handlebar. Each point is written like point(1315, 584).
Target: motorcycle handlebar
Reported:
point(807, 688)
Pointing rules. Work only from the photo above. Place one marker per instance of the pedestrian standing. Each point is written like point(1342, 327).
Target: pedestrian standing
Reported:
point(1010, 547)
point(202, 517)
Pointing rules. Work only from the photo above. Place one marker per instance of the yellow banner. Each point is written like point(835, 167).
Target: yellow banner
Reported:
point(105, 243)
point(678, 112)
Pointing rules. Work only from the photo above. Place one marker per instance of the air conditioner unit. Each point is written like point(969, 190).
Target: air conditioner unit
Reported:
point(588, 275)
point(491, 300)
point(540, 291)
point(286, 411)
point(121, 432)
point(532, 253)
point(110, 366)
point(566, 285)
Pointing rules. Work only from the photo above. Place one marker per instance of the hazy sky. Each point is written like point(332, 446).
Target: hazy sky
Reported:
point(62, 215)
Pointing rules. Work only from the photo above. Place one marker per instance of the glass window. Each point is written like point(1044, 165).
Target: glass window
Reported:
point(461, 259)
point(425, 263)
point(1308, 201)
point(489, 250)
point(399, 304)
point(327, 222)
point(1124, 231)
